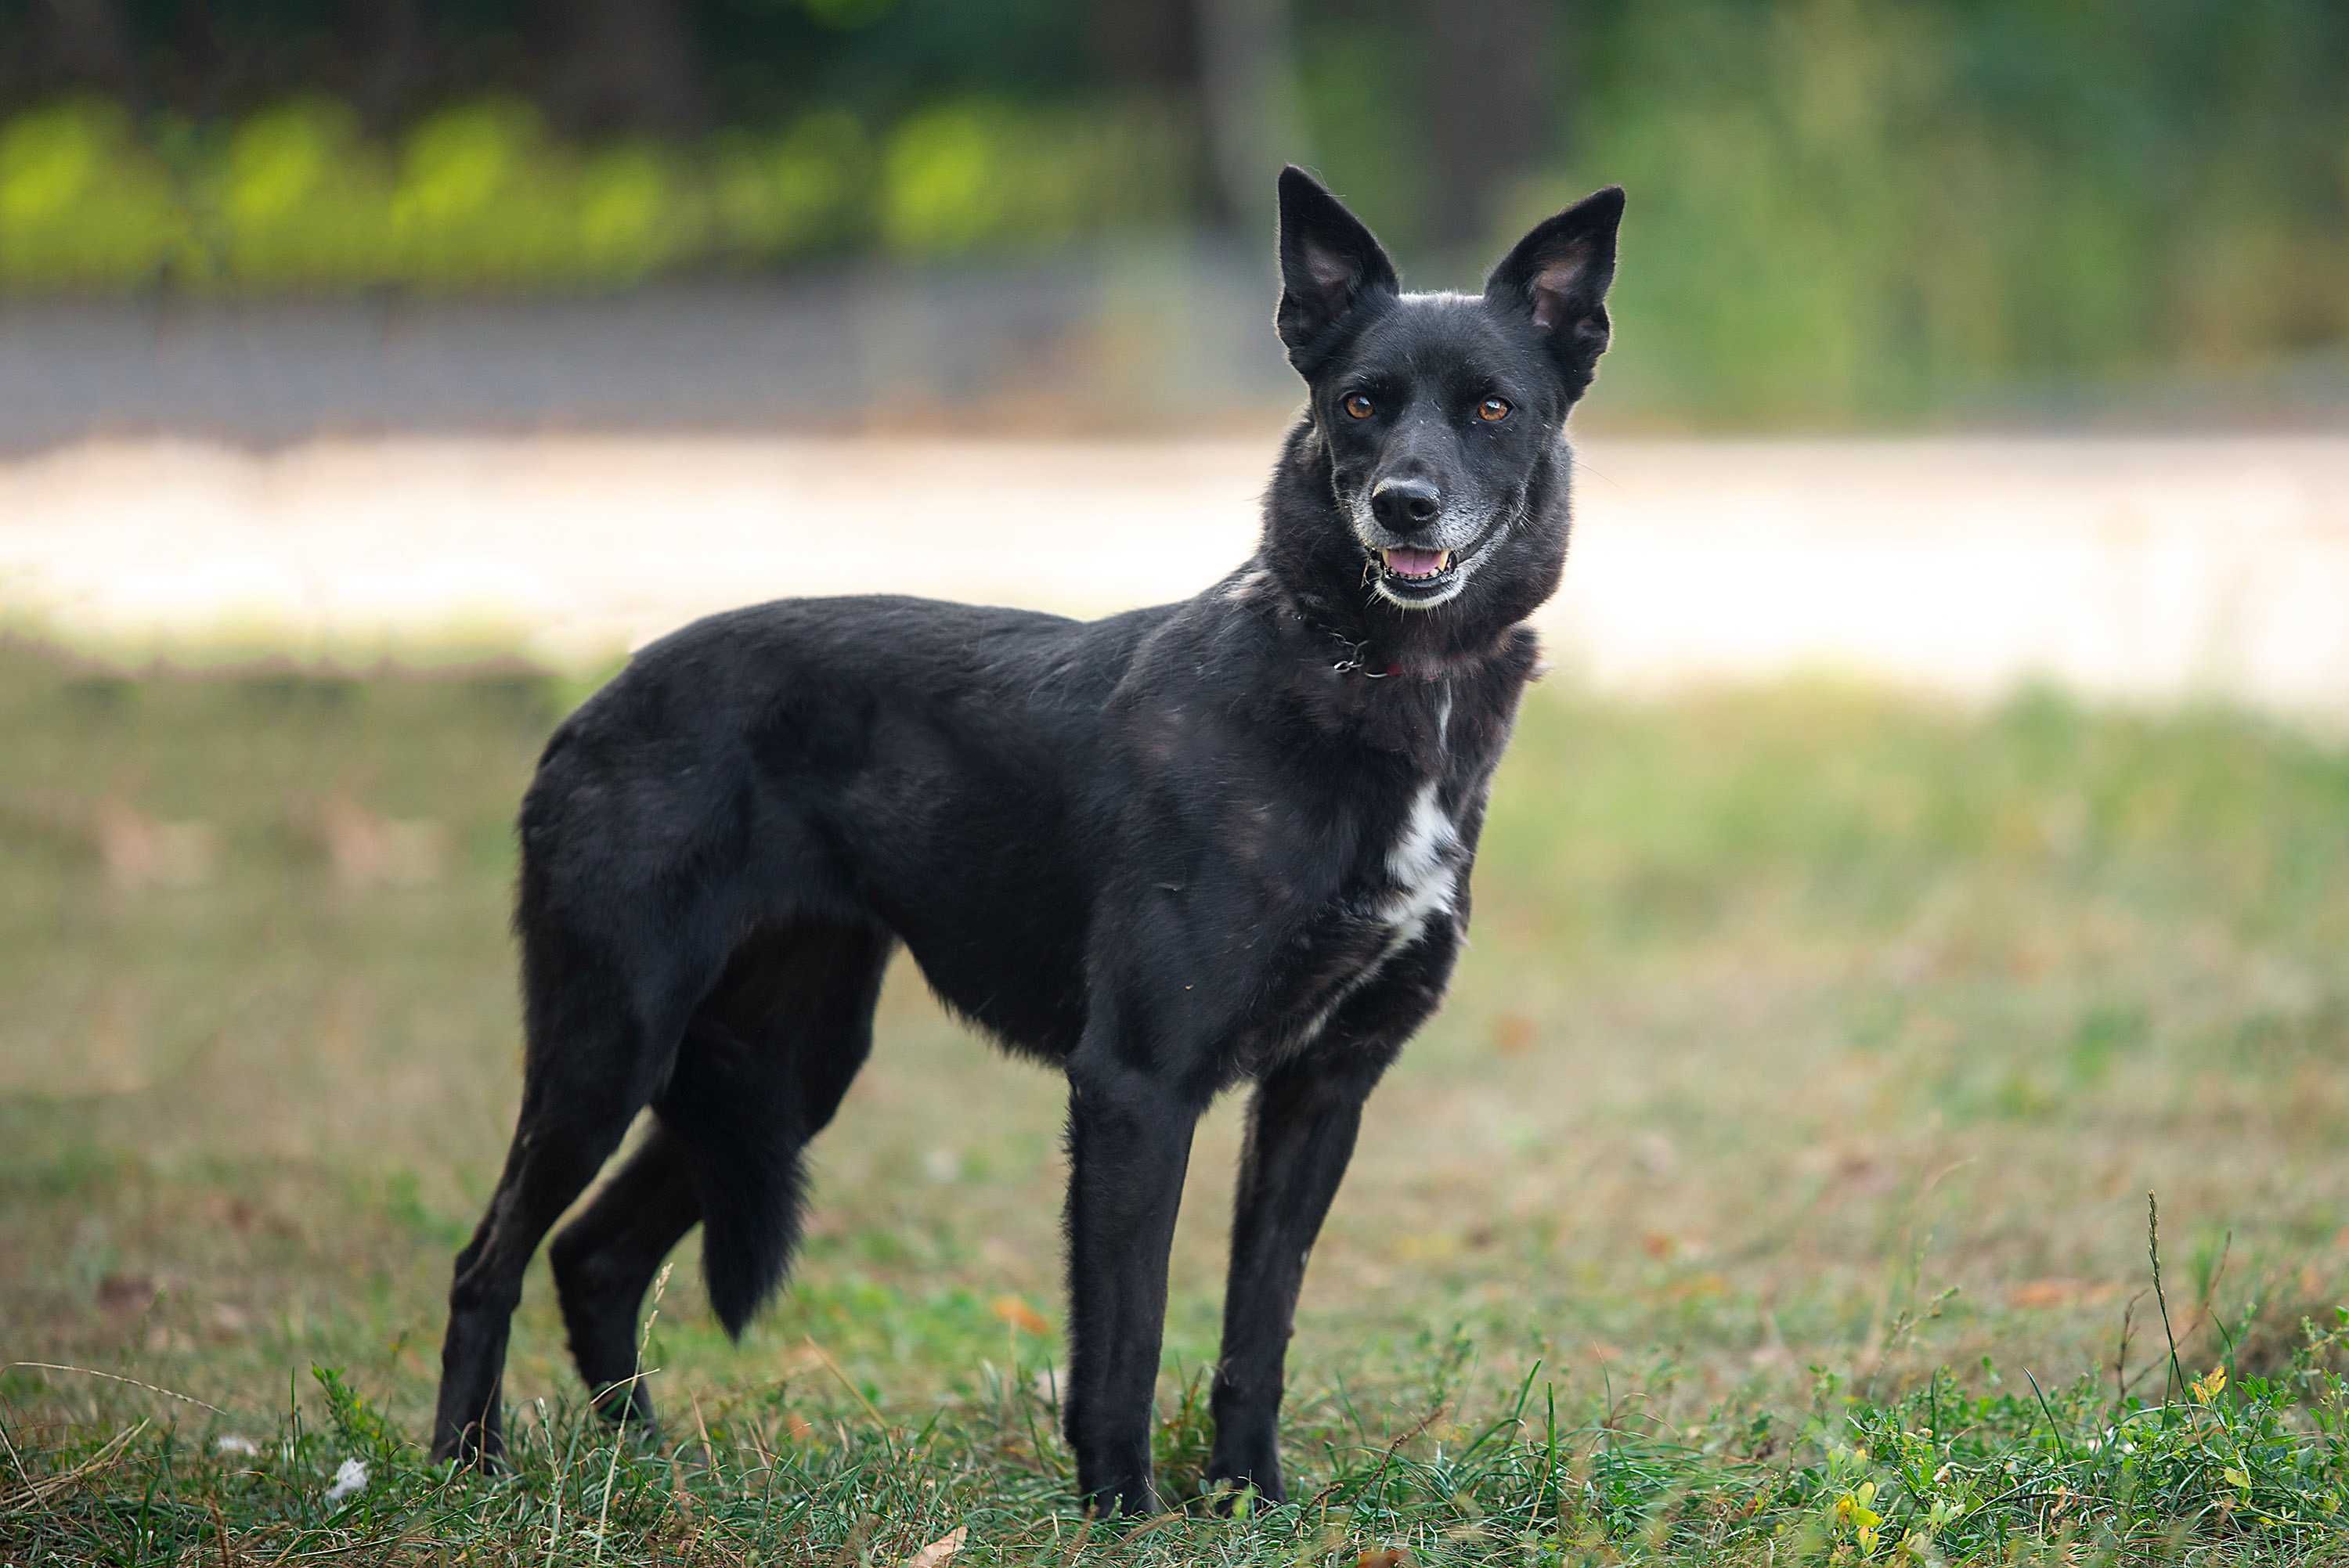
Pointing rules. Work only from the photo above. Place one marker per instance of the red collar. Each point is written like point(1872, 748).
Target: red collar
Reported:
point(1354, 665)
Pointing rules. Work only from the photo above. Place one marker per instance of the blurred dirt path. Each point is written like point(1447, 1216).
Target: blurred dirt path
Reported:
point(2154, 570)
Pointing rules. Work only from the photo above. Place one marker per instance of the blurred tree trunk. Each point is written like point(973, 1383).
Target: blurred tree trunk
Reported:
point(628, 64)
point(1153, 48)
point(1247, 82)
point(1495, 110)
point(390, 57)
point(89, 44)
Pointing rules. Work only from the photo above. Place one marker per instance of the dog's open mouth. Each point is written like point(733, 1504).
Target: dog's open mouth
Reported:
point(1404, 567)
point(1420, 579)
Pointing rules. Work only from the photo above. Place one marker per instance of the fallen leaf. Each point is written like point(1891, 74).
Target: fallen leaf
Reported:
point(1513, 1033)
point(1698, 1286)
point(140, 851)
point(2057, 1291)
point(128, 1292)
point(1382, 1557)
point(370, 850)
point(1019, 1314)
point(2044, 1293)
point(939, 1553)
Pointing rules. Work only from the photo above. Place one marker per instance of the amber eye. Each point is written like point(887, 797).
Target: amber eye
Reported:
point(1492, 411)
point(1357, 407)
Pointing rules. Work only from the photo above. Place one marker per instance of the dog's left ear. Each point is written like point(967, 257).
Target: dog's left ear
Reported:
point(1558, 275)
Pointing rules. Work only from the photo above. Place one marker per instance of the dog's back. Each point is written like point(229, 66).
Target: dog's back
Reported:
point(858, 761)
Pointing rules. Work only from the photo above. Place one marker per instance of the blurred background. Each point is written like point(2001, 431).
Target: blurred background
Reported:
point(355, 325)
point(1935, 835)
point(1847, 215)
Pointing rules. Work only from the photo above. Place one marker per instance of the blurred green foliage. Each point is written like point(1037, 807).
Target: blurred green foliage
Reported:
point(1842, 209)
point(480, 196)
point(1843, 206)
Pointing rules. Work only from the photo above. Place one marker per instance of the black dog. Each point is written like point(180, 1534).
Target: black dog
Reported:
point(1182, 847)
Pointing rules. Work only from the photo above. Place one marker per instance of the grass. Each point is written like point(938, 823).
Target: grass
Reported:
point(1773, 1188)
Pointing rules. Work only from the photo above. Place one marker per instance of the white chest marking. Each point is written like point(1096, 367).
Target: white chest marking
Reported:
point(1421, 862)
point(1424, 880)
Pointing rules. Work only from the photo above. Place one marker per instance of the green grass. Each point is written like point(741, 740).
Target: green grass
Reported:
point(1771, 1190)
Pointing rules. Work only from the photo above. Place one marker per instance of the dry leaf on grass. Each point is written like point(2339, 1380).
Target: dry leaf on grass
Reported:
point(369, 850)
point(1383, 1557)
point(1019, 1314)
point(2047, 1293)
point(128, 1292)
point(141, 852)
point(941, 1551)
point(1513, 1033)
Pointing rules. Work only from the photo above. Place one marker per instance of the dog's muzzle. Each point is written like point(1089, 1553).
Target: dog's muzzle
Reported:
point(1421, 576)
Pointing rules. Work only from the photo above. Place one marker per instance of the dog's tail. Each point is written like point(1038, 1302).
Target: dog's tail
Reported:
point(744, 1144)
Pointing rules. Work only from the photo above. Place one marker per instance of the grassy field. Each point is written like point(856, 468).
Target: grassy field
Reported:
point(1774, 1189)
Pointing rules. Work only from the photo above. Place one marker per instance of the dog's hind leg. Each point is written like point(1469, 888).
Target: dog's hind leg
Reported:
point(605, 1260)
point(763, 1067)
point(598, 1048)
point(557, 1150)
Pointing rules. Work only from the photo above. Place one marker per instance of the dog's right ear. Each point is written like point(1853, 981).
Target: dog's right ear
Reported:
point(1329, 264)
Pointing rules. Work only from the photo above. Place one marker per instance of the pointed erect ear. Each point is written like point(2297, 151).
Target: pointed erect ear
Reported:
point(1328, 265)
point(1558, 275)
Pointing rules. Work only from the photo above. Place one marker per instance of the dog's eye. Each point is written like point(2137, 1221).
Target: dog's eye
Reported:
point(1357, 407)
point(1492, 411)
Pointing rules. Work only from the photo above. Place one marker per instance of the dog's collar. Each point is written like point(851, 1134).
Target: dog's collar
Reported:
point(1356, 662)
point(1355, 657)
point(1353, 664)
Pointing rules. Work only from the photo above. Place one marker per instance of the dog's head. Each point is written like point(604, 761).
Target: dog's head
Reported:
point(1439, 414)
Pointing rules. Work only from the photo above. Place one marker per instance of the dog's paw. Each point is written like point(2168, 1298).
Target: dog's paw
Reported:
point(1132, 1499)
point(471, 1448)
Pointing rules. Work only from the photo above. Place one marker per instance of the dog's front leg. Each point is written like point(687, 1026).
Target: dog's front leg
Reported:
point(1302, 1128)
point(1128, 1144)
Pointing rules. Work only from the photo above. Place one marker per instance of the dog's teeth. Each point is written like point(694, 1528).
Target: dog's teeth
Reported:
point(1442, 559)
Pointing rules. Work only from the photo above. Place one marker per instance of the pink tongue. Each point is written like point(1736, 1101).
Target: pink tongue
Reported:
point(1413, 563)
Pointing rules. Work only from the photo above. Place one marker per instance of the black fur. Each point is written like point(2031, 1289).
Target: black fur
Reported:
point(1216, 841)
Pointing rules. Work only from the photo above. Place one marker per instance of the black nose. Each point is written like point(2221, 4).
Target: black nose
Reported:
point(1405, 505)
